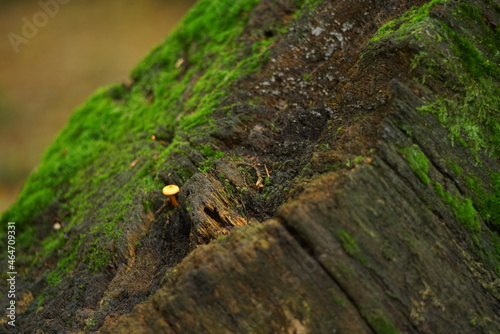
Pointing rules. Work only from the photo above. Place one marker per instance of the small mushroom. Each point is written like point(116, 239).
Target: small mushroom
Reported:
point(171, 190)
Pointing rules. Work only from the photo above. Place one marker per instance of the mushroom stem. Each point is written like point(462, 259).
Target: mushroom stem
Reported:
point(173, 200)
point(171, 190)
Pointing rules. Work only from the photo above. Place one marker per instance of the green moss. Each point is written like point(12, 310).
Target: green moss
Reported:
point(68, 261)
point(475, 49)
point(417, 161)
point(358, 160)
point(53, 242)
point(462, 208)
point(91, 322)
point(53, 278)
point(380, 322)
point(466, 60)
point(308, 3)
point(461, 63)
point(97, 257)
point(487, 202)
point(495, 241)
point(471, 114)
point(455, 168)
point(39, 300)
point(350, 245)
point(337, 299)
point(466, 123)
point(108, 229)
point(406, 23)
point(105, 162)
point(485, 206)
point(492, 203)
point(113, 128)
point(209, 152)
point(65, 264)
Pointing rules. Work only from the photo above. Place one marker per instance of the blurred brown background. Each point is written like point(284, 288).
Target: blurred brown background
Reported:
point(84, 45)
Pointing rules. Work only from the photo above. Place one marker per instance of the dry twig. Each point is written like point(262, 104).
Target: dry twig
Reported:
point(260, 181)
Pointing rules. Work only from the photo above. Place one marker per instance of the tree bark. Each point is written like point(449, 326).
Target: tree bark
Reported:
point(339, 172)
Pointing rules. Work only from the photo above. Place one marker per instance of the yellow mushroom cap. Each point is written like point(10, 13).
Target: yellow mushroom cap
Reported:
point(170, 190)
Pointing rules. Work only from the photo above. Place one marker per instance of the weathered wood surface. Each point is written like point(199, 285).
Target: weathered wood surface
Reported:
point(355, 191)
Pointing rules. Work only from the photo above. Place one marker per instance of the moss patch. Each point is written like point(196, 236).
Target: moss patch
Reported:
point(102, 172)
point(380, 322)
point(417, 161)
point(102, 176)
point(470, 110)
point(471, 113)
point(463, 208)
point(451, 59)
point(405, 24)
point(350, 245)
point(175, 90)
